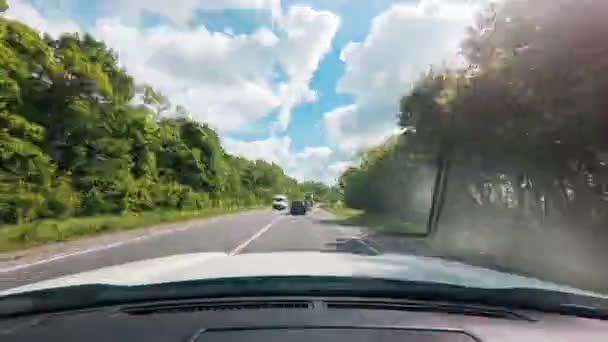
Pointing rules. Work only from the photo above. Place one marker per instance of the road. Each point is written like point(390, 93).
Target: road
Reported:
point(256, 231)
point(259, 231)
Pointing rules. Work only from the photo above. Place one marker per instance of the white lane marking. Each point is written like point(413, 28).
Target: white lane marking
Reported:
point(370, 247)
point(93, 249)
point(259, 233)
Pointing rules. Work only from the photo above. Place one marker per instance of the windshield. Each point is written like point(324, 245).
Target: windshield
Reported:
point(443, 141)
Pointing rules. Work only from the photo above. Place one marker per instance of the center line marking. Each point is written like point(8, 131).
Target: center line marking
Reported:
point(246, 243)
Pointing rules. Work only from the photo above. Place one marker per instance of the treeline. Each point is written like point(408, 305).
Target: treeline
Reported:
point(521, 131)
point(322, 192)
point(72, 141)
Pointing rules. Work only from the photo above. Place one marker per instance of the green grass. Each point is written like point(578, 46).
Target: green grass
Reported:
point(17, 237)
point(343, 212)
point(413, 224)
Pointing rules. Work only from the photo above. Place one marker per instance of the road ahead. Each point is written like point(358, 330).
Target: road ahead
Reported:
point(257, 231)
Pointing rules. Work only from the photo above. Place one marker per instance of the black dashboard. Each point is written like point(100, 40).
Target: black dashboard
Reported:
point(301, 319)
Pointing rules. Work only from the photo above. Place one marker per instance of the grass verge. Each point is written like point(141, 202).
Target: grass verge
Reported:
point(389, 224)
point(343, 212)
point(17, 237)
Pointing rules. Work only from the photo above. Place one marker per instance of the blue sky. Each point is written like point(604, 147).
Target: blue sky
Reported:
point(304, 83)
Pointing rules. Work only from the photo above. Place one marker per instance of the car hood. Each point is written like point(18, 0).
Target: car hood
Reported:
point(197, 266)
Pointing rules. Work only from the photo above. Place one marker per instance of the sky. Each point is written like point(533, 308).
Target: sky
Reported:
point(306, 84)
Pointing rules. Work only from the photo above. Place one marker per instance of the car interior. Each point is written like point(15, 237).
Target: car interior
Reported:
point(301, 319)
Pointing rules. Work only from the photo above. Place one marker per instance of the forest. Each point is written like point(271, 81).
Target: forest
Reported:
point(519, 132)
point(80, 137)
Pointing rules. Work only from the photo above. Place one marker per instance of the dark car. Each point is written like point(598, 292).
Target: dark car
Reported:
point(297, 208)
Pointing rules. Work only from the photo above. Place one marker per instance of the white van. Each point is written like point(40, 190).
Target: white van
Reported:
point(280, 202)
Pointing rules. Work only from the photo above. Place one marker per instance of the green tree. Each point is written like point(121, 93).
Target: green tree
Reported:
point(72, 142)
point(520, 130)
point(156, 99)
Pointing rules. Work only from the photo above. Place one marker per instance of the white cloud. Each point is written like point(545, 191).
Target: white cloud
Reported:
point(232, 106)
point(309, 34)
point(312, 163)
point(345, 130)
point(273, 149)
point(223, 79)
point(315, 152)
point(271, 6)
point(402, 43)
point(24, 12)
point(180, 12)
point(338, 167)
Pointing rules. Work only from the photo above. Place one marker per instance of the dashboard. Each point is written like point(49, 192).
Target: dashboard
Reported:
point(300, 319)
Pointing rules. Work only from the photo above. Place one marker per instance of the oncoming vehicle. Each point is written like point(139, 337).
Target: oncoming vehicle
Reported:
point(297, 208)
point(279, 202)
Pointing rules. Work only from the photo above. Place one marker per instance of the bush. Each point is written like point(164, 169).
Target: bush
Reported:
point(166, 195)
point(62, 201)
point(249, 199)
point(93, 202)
point(23, 208)
point(203, 200)
point(140, 199)
point(189, 200)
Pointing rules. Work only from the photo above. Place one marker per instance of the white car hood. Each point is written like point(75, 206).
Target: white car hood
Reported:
point(183, 267)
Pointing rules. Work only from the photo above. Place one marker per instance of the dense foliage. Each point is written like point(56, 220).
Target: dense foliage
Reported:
point(72, 141)
point(522, 131)
point(321, 192)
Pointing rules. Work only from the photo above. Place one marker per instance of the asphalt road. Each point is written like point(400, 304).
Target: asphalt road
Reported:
point(257, 231)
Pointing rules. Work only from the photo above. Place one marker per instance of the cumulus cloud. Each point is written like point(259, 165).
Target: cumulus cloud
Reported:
point(338, 167)
point(180, 12)
point(312, 163)
point(224, 79)
point(402, 43)
point(345, 128)
point(309, 34)
point(274, 149)
point(24, 12)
